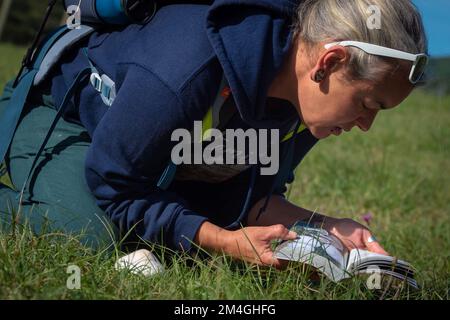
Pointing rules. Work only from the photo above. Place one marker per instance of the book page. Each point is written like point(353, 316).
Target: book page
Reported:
point(363, 261)
point(317, 248)
point(360, 257)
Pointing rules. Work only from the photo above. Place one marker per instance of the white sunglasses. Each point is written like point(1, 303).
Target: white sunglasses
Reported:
point(419, 60)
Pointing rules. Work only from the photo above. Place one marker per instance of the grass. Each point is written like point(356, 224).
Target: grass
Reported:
point(10, 60)
point(398, 171)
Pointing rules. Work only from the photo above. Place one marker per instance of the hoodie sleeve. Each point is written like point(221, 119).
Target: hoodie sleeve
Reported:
point(129, 150)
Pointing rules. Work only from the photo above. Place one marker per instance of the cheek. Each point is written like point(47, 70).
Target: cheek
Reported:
point(345, 101)
point(347, 110)
point(332, 112)
point(320, 109)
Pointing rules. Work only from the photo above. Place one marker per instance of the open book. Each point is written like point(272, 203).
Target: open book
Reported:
point(327, 254)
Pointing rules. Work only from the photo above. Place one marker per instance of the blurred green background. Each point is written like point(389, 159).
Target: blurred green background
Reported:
point(24, 17)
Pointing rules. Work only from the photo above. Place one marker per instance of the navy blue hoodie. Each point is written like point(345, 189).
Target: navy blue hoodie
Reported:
point(167, 73)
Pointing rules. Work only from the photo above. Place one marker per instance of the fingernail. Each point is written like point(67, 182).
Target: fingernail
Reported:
point(292, 234)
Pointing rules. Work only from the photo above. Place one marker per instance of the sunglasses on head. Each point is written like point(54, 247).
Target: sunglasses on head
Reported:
point(419, 60)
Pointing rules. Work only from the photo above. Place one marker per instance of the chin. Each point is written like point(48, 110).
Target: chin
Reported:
point(320, 133)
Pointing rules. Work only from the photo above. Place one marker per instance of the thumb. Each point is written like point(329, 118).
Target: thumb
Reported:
point(279, 231)
point(291, 235)
point(372, 244)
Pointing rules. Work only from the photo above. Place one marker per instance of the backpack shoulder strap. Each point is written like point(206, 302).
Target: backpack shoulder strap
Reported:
point(9, 116)
point(67, 41)
point(101, 83)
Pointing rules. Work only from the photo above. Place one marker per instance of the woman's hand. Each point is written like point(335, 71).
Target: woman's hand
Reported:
point(353, 235)
point(253, 244)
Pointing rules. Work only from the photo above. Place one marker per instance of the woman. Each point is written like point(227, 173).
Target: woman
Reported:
point(284, 70)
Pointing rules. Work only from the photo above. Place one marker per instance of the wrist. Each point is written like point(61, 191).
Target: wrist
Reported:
point(228, 241)
point(225, 240)
point(212, 237)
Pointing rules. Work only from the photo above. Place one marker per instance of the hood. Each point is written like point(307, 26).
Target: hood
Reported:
point(251, 38)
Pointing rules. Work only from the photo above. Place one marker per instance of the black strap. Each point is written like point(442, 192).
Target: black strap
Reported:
point(29, 56)
point(82, 75)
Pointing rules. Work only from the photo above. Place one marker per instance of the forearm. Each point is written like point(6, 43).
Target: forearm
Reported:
point(280, 210)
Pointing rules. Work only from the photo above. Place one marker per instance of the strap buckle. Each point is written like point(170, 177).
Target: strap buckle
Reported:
point(105, 86)
point(96, 81)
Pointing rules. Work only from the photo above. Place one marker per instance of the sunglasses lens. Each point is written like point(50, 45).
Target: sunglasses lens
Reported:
point(419, 68)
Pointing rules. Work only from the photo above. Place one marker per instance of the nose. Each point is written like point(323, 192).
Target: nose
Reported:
point(365, 122)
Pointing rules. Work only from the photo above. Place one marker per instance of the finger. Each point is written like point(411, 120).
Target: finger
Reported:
point(291, 235)
point(372, 244)
point(279, 231)
point(270, 260)
point(280, 264)
point(377, 248)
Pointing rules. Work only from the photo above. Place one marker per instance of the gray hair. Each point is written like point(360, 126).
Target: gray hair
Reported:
point(334, 20)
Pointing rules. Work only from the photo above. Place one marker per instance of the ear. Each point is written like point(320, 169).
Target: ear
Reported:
point(329, 61)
